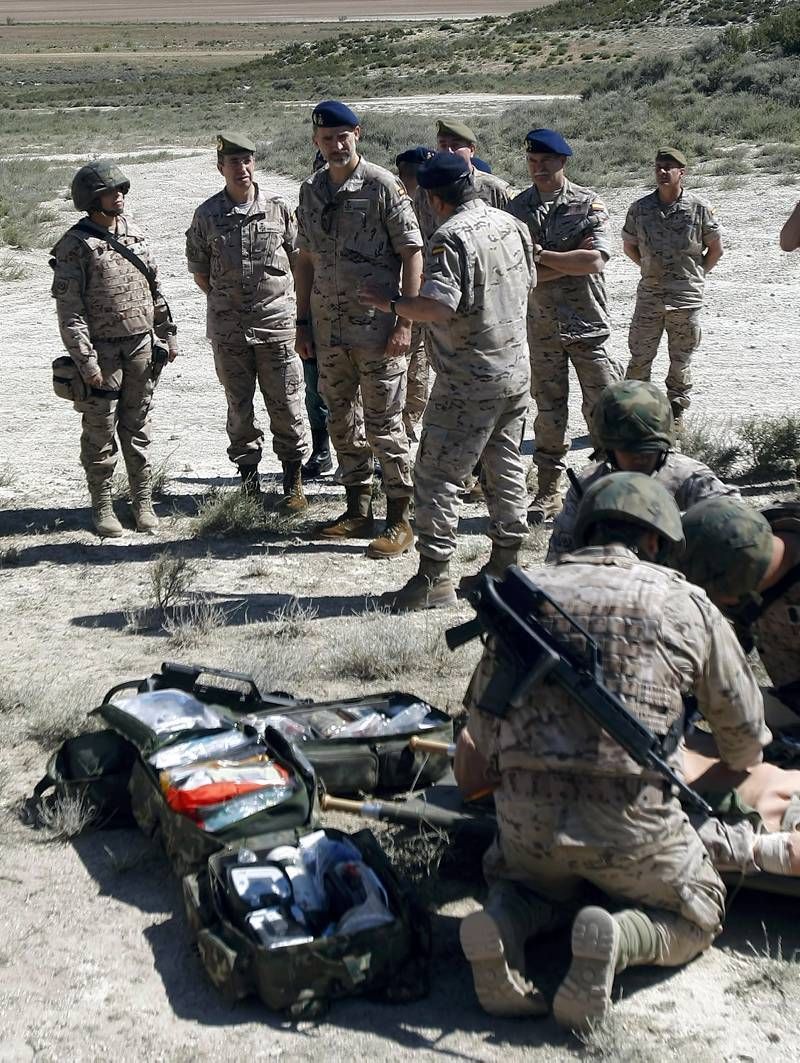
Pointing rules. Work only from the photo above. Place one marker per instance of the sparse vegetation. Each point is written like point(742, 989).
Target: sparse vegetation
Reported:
point(772, 445)
point(171, 576)
point(160, 475)
point(191, 623)
point(291, 620)
point(716, 446)
point(377, 645)
point(64, 817)
point(234, 513)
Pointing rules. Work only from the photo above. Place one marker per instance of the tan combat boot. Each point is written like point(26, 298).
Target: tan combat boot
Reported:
point(494, 943)
point(602, 945)
point(357, 521)
point(430, 588)
point(103, 517)
point(142, 503)
point(397, 538)
point(500, 559)
point(548, 500)
point(294, 501)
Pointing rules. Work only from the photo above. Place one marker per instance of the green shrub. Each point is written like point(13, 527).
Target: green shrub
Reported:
point(772, 444)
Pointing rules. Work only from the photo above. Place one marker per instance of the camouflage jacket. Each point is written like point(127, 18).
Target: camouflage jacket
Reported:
point(575, 307)
point(660, 637)
point(671, 239)
point(100, 295)
point(492, 190)
point(246, 257)
point(777, 630)
point(687, 480)
point(480, 265)
point(354, 233)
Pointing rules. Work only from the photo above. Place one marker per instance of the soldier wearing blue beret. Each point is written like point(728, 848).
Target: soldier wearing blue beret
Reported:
point(567, 314)
point(355, 224)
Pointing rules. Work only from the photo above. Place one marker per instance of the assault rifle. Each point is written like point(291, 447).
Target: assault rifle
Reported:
point(507, 611)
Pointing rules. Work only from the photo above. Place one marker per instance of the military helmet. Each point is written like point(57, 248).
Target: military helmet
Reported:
point(633, 498)
point(728, 547)
point(93, 179)
point(633, 415)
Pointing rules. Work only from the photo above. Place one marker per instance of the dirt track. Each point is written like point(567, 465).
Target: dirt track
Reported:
point(94, 959)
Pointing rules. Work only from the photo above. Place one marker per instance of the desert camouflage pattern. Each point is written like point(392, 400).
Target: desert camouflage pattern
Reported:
point(480, 265)
point(126, 365)
point(649, 322)
point(247, 258)
point(687, 480)
point(417, 380)
point(277, 370)
point(660, 638)
point(633, 416)
point(102, 296)
point(492, 190)
point(354, 234)
point(558, 831)
point(567, 318)
point(671, 239)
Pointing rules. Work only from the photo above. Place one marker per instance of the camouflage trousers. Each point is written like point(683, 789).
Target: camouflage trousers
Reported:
point(126, 368)
point(557, 832)
point(457, 431)
point(417, 381)
point(277, 370)
point(650, 320)
point(550, 358)
point(342, 370)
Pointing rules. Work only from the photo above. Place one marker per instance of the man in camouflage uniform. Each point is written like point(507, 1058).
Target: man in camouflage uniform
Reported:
point(675, 240)
point(240, 248)
point(418, 375)
point(108, 312)
point(572, 806)
point(634, 431)
point(567, 313)
point(478, 271)
point(356, 224)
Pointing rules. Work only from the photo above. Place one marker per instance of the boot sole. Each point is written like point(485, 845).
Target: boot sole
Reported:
point(584, 997)
point(360, 533)
point(498, 991)
point(378, 555)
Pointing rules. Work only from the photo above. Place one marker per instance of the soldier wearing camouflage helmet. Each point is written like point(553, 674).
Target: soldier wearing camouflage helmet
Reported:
point(108, 313)
point(634, 431)
point(572, 807)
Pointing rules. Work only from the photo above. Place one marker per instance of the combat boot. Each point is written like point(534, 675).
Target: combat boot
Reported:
point(294, 501)
point(677, 412)
point(500, 559)
point(602, 945)
point(251, 480)
point(319, 460)
point(430, 588)
point(142, 503)
point(357, 521)
point(397, 537)
point(494, 943)
point(548, 500)
point(103, 517)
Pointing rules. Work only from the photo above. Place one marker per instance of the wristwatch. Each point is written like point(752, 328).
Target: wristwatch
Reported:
point(537, 253)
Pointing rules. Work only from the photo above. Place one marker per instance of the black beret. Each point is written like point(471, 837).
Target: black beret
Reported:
point(415, 156)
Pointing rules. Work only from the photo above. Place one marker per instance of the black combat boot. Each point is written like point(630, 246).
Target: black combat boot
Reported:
point(320, 458)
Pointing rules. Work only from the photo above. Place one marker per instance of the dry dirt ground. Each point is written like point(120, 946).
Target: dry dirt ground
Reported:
point(95, 960)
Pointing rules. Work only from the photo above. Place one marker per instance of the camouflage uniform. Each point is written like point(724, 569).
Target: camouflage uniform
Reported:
point(246, 253)
point(567, 318)
point(417, 380)
point(480, 264)
point(571, 805)
point(670, 239)
point(492, 190)
point(687, 480)
point(354, 234)
point(107, 318)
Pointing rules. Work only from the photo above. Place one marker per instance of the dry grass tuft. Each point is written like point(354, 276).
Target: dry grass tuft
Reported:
point(717, 447)
point(190, 624)
point(228, 513)
point(171, 576)
point(65, 816)
point(44, 711)
point(292, 620)
point(377, 645)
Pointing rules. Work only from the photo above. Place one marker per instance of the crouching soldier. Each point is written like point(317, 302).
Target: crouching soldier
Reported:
point(109, 306)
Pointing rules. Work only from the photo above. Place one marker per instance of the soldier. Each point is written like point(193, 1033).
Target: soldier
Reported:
point(634, 431)
point(675, 240)
point(356, 223)
point(458, 139)
point(109, 307)
point(567, 313)
point(478, 270)
point(240, 249)
point(418, 375)
point(572, 807)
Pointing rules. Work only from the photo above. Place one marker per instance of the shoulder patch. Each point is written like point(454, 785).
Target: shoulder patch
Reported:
point(438, 250)
point(60, 286)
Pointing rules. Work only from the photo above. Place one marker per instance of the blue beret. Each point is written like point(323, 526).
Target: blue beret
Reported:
point(481, 164)
point(415, 156)
point(547, 141)
point(332, 113)
point(442, 169)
